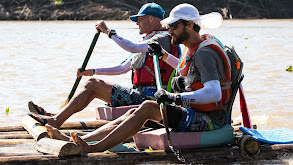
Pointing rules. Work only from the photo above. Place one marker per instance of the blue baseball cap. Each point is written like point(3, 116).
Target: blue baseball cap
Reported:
point(149, 9)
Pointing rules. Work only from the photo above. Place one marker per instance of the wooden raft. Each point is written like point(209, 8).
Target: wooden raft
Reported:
point(219, 155)
point(22, 151)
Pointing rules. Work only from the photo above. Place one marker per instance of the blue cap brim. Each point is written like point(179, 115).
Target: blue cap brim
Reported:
point(135, 17)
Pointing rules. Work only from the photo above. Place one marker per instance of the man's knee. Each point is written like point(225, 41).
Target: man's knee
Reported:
point(130, 111)
point(148, 108)
point(93, 83)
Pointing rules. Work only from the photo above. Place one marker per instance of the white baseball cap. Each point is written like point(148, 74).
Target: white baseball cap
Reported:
point(189, 12)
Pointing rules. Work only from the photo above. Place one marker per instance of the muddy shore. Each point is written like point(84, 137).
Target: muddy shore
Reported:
point(122, 9)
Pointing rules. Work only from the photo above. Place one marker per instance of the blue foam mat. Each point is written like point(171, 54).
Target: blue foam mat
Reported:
point(277, 136)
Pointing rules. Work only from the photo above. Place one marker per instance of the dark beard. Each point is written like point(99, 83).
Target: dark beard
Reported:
point(180, 38)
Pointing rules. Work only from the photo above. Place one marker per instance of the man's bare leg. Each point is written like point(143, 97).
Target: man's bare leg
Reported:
point(94, 88)
point(81, 143)
point(127, 128)
point(98, 134)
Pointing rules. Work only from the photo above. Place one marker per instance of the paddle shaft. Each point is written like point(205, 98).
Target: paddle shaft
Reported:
point(244, 109)
point(159, 86)
point(89, 53)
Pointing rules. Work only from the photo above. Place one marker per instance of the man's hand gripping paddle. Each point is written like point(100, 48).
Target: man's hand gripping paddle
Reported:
point(89, 53)
point(162, 105)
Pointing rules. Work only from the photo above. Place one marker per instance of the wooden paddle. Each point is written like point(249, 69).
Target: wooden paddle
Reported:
point(89, 53)
point(162, 105)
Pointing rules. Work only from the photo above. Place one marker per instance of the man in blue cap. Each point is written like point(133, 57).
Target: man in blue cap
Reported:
point(150, 9)
point(148, 20)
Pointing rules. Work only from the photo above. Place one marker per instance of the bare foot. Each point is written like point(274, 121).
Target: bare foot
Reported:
point(85, 148)
point(54, 133)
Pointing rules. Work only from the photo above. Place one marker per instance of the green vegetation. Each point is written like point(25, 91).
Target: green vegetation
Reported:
point(150, 149)
point(7, 110)
point(57, 2)
point(289, 68)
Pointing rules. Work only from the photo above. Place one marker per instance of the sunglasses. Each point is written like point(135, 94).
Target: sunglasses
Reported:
point(174, 25)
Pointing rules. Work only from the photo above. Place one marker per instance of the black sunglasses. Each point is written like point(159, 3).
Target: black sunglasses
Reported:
point(173, 26)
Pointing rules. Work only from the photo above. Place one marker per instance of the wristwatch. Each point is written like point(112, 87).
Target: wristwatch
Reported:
point(178, 100)
point(111, 32)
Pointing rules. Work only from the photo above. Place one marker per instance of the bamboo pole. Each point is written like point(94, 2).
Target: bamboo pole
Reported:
point(11, 128)
point(28, 159)
point(11, 142)
point(26, 135)
point(57, 147)
point(282, 146)
point(66, 125)
point(13, 132)
point(68, 131)
point(34, 128)
point(249, 146)
point(19, 154)
point(84, 124)
point(16, 136)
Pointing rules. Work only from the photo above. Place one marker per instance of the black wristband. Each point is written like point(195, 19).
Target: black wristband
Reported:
point(111, 32)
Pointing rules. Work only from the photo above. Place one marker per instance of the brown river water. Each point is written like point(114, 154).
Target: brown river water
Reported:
point(39, 59)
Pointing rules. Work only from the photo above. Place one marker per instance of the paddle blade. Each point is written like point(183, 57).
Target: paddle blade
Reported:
point(244, 109)
point(64, 103)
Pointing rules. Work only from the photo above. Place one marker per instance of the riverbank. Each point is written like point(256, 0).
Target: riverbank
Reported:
point(122, 9)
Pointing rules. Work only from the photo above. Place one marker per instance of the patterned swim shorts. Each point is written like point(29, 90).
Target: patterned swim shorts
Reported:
point(123, 96)
point(200, 122)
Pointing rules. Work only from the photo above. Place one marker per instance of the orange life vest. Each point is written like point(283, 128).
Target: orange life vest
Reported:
point(143, 76)
point(187, 55)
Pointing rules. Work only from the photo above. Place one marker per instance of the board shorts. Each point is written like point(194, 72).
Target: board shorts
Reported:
point(187, 120)
point(124, 96)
